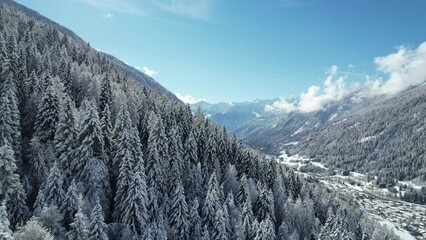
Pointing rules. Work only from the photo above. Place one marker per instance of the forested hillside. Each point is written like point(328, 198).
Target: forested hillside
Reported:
point(88, 152)
point(386, 139)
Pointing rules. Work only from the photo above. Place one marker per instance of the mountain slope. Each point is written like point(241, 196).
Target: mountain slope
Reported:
point(381, 134)
point(386, 138)
point(81, 138)
point(128, 70)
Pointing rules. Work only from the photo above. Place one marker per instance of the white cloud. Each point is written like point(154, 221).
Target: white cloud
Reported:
point(350, 65)
point(108, 15)
point(333, 89)
point(189, 99)
point(281, 105)
point(404, 68)
point(317, 97)
point(149, 72)
point(198, 9)
point(399, 70)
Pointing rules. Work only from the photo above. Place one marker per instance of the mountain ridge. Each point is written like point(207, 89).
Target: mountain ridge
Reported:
point(131, 71)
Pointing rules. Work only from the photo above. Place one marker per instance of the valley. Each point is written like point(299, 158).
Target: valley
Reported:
point(407, 220)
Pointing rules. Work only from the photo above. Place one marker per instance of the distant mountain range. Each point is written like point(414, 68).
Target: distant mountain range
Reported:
point(381, 134)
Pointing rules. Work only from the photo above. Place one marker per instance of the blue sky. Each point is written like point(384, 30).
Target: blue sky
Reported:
point(235, 50)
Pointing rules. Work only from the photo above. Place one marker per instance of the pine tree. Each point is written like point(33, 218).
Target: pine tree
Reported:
point(195, 229)
point(264, 206)
point(219, 228)
point(128, 158)
point(194, 186)
point(10, 128)
point(40, 203)
point(212, 202)
point(8, 177)
point(175, 151)
point(97, 228)
point(206, 234)
point(283, 231)
point(154, 167)
point(134, 205)
point(248, 220)
point(178, 213)
point(243, 192)
point(79, 230)
point(105, 98)
point(16, 207)
point(89, 164)
point(106, 127)
point(33, 230)
point(280, 197)
point(65, 135)
point(47, 115)
point(210, 155)
point(51, 218)
point(125, 140)
point(190, 150)
point(5, 232)
point(266, 230)
point(53, 188)
point(6, 129)
point(326, 230)
point(69, 206)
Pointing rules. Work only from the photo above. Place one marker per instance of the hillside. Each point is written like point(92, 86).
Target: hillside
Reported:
point(125, 68)
point(88, 152)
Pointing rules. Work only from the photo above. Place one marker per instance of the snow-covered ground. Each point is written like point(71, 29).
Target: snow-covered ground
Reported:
point(408, 220)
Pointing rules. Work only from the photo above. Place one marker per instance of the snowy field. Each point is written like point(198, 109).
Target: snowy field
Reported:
point(408, 220)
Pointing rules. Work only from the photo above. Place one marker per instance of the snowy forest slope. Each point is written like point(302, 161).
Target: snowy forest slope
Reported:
point(127, 69)
point(87, 152)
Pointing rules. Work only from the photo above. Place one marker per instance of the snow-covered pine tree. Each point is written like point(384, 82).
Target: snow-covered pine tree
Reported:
point(195, 229)
point(47, 114)
point(212, 202)
point(128, 157)
point(210, 159)
point(154, 165)
point(10, 128)
point(89, 164)
point(51, 218)
point(8, 177)
point(219, 227)
point(65, 136)
point(78, 228)
point(134, 204)
point(97, 228)
point(280, 196)
point(178, 212)
point(243, 192)
point(190, 149)
point(6, 129)
point(16, 206)
point(194, 182)
point(175, 153)
point(105, 98)
point(248, 220)
point(33, 230)
point(264, 206)
point(206, 234)
point(327, 229)
point(69, 206)
point(266, 230)
point(5, 232)
point(53, 187)
point(106, 127)
point(125, 139)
